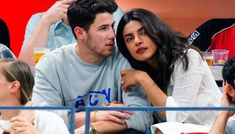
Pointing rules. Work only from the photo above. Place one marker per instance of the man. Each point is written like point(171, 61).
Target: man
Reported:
point(50, 29)
point(88, 74)
point(228, 99)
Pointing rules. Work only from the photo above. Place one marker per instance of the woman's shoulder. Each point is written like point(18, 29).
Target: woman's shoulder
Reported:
point(193, 53)
point(47, 116)
point(49, 122)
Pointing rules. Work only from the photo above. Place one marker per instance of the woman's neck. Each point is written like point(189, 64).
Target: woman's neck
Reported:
point(8, 114)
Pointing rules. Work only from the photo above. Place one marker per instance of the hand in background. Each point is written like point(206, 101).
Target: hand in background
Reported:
point(227, 100)
point(21, 125)
point(57, 12)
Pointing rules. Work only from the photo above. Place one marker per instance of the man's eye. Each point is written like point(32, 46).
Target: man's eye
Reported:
point(103, 28)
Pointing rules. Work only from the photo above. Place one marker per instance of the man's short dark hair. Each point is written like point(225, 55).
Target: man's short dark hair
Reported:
point(82, 13)
point(228, 71)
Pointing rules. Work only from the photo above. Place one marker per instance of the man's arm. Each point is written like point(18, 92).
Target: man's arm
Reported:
point(220, 123)
point(107, 127)
point(222, 118)
point(118, 117)
point(40, 33)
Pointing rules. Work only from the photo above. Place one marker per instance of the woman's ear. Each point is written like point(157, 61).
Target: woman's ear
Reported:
point(80, 33)
point(14, 86)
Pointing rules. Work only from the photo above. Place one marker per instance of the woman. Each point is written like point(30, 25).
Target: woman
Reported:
point(171, 72)
point(16, 84)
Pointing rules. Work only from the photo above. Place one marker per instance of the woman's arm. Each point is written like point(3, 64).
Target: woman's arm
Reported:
point(151, 89)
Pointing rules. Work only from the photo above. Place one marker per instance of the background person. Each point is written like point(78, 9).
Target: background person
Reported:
point(172, 73)
point(16, 84)
point(87, 73)
point(4, 34)
point(225, 121)
point(50, 29)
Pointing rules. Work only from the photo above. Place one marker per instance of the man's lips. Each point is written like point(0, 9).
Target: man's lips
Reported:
point(111, 45)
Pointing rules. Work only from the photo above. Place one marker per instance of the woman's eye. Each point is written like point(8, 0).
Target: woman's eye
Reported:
point(142, 32)
point(128, 39)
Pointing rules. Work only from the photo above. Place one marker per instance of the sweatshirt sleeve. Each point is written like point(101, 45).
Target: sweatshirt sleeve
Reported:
point(47, 90)
point(140, 120)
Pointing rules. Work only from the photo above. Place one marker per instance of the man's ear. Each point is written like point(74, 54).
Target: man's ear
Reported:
point(230, 90)
point(80, 33)
point(14, 87)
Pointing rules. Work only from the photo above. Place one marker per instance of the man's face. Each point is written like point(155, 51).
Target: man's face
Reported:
point(101, 35)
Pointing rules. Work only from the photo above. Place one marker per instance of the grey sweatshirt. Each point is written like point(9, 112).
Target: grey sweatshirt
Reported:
point(63, 79)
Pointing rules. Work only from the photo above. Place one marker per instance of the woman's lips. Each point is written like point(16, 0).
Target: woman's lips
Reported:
point(141, 50)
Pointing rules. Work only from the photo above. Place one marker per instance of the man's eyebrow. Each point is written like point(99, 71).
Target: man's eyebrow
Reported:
point(105, 25)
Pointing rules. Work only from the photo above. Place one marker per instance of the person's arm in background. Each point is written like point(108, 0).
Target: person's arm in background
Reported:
point(38, 37)
point(222, 118)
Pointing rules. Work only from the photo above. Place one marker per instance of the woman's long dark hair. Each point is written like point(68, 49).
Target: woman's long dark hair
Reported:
point(171, 46)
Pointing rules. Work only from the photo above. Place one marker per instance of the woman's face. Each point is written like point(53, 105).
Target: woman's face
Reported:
point(4, 88)
point(139, 44)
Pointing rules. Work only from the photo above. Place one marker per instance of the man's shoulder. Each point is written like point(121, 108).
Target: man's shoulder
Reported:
point(118, 60)
point(64, 49)
point(58, 55)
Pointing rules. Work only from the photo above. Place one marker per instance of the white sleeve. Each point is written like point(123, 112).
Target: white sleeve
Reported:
point(185, 86)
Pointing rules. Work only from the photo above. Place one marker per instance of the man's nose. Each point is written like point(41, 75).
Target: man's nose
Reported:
point(112, 33)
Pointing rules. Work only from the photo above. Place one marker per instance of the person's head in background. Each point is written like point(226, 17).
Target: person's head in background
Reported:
point(16, 82)
point(92, 24)
point(150, 45)
point(228, 73)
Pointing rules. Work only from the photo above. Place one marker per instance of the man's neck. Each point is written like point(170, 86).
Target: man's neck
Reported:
point(87, 56)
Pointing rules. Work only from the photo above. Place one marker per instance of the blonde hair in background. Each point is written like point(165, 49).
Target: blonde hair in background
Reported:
point(18, 71)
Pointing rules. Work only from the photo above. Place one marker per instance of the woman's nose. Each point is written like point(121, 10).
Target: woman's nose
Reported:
point(138, 41)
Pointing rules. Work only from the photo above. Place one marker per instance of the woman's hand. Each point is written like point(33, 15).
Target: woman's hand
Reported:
point(21, 125)
point(131, 77)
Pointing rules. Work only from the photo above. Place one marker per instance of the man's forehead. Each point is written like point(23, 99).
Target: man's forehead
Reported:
point(104, 19)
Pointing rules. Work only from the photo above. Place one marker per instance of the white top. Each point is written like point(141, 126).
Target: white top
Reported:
point(45, 122)
point(179, 128)
point(194, 87)
point(50, 123)
point(4, 125)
